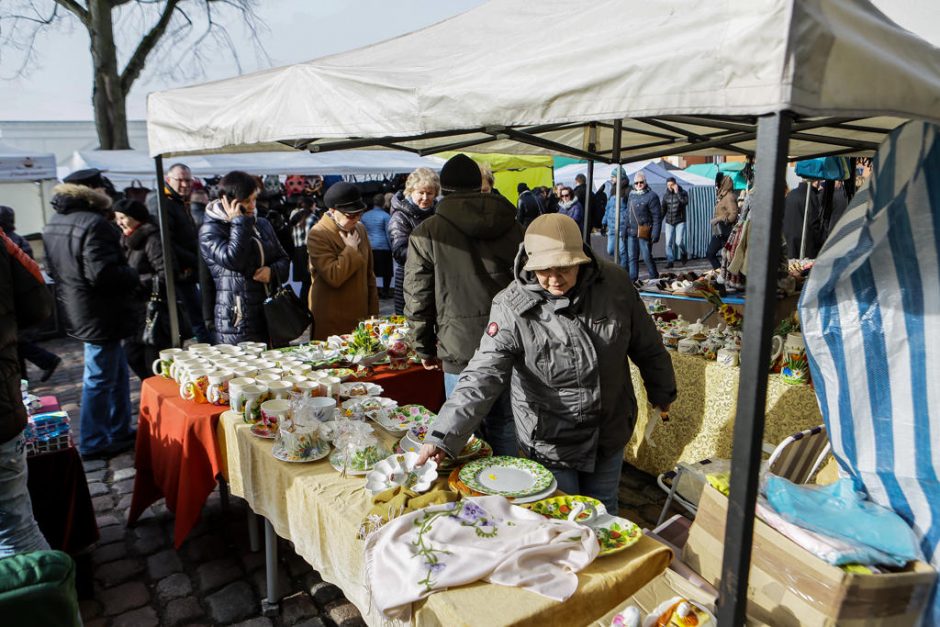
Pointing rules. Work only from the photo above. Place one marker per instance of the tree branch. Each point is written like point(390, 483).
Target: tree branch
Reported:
point(80, 12)
point(138, 60)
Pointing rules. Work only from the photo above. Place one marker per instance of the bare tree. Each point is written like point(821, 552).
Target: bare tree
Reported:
point(183, 33)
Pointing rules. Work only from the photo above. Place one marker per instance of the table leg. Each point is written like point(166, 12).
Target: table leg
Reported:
point(254, 542)
point(223, 495)
point(270, 605)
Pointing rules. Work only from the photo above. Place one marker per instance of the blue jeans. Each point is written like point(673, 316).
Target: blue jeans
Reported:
point(106, 397)
point(603, 484)
point(499, 426)
point(675, 236)
point(611, 238)
point(635, 246)
point(19, 532)
point(189, 294)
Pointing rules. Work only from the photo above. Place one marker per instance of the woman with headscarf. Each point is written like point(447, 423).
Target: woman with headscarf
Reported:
point(415, 206)
point(245, 258)
point(726, 214)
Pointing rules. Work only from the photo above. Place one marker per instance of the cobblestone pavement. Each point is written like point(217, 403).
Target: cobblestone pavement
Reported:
point(140, 580)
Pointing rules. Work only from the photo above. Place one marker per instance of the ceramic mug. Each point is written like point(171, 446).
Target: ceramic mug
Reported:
point(161, 366)
point(323, 408)
point(688, 346)
point(254, 396)
point(218, 392)
point(301, 370)
point(728, 356)
point(249, 348)
point(273, 412)
point(228, 349)
point(309, 388)
point(280, 389)
point(199, 349)
point(292, 379)
point(267, 377)
point(194, 385)
point(180, 364)
point(236, 398)
point(792, 347)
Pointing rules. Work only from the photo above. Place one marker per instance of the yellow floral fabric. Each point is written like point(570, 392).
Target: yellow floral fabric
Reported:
point(701, 421)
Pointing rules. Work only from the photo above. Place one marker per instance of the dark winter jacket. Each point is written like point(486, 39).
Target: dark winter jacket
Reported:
point(528, 208)
point(575, 211)
point(184, 231)
point(643, 208)
point(460, 258)
point(84, 256)
point(24, 301)
point(233, 251)
point(674, 205)
point(400, 225)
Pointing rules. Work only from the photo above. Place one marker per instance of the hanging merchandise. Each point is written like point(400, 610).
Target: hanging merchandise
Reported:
point(825, 168)
point(869, 312)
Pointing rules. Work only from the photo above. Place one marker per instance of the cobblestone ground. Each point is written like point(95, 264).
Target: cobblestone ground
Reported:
point(139, 580)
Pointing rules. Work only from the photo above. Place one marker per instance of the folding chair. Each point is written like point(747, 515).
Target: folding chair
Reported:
point(797, 458)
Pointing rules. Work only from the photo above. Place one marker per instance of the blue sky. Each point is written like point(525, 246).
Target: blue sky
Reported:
point(58, 86)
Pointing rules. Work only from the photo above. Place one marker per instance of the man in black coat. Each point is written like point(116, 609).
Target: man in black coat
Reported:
point(23, 300)
point(793, 208)
point(95, 284)
point(185, 237)
point(528, 207)
point(674, 204)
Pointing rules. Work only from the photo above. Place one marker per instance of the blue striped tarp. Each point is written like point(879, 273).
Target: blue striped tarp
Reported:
point(698, 230)
point(871, 318)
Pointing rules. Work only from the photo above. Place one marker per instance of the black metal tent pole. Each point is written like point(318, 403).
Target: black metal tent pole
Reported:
point(169, 263)
point(773, 133)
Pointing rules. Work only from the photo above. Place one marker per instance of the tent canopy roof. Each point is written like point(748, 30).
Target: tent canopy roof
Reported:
point(495, 83)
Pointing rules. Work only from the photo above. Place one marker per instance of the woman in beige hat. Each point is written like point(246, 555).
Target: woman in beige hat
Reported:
point(561, 334)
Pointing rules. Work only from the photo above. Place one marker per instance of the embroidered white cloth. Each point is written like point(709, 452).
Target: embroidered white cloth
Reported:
point(476, 538)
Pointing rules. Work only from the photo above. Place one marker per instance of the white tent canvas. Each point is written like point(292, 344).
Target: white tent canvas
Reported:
point(26, 181)
point(17, 164)
point(494, 80)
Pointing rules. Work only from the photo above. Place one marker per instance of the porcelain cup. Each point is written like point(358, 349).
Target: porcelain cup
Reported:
point(254, 396)
point(332, 387)
point(273, 412)
point(728, 356)
point(182, 364)
point(218, 391)
point(161, 366)
point(323, 408)
point(267, 377)
point(308, 388)
point(688, 346)
point(194, 385)
point(280, 389)
point(236, 397)
point(301, 369)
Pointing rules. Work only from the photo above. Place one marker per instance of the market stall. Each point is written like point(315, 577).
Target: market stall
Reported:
point(775, 78)
point(26, 182)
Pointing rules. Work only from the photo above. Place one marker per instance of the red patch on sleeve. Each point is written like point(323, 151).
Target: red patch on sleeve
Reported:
point(492, 329)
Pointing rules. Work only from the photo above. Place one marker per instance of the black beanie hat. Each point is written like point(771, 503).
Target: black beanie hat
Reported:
point(132, 209)
point(90, 177)
point(461, 174)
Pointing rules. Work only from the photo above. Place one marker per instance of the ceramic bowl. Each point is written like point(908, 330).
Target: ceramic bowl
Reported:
point(400, 470)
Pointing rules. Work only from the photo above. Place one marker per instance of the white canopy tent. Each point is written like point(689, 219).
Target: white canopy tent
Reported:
point(772, 78)
point(124, 166)
point(26, 181)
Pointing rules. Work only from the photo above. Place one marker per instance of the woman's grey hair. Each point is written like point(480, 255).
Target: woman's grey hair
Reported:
point(420, 178)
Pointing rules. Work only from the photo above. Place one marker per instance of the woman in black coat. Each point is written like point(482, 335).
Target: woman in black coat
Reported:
point(140, 240)
point(244, 257)
point(414, 207)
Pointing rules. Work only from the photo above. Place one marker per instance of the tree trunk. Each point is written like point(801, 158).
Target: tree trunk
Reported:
point(108, 98)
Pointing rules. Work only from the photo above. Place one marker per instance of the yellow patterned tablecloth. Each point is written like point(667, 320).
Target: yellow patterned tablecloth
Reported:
point(319, 511)
point(701, 421)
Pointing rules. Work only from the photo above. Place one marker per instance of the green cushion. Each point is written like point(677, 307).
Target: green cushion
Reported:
point(38, 589)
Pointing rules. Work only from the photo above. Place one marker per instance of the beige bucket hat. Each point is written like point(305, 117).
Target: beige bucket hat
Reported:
point(554, 241)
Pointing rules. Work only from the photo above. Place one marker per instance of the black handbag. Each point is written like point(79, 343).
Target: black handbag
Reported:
point(157, 320)
point(286, 316)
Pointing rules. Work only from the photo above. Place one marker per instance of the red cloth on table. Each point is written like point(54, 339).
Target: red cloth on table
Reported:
point(47, 404)
point(413, 386)
point(177, 455)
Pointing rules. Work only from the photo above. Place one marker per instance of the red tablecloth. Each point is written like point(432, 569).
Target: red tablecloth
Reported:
point(177, 455)
point(177, 439)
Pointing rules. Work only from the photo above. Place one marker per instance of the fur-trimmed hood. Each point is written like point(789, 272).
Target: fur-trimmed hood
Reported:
point(68, 197)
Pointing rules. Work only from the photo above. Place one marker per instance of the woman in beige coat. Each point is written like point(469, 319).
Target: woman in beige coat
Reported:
point(342, 290)
point(726, 214)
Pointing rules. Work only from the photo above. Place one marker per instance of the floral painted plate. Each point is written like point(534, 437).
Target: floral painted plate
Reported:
point(268, 432)
point(506, 476)
point(538, 496)
point(361, 462)
point(359, 389)
point(313, 455)
point(343, 373)
point(560, 507)
point(403, 418)
point(615, 534)
point(369, 404)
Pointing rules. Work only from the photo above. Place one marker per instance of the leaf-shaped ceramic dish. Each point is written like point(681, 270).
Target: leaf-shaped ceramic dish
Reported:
point(400, 470)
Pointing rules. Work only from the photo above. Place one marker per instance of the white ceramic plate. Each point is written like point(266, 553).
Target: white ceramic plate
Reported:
point(547, 492)
point(281, 454)
point(400, 470)
point(369, 404)
point(359, 389)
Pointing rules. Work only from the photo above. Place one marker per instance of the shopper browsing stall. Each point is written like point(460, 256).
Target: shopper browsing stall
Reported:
point(562, 333)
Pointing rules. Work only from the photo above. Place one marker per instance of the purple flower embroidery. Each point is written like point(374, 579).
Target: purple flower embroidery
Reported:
point(435, 568)
point(471, 512)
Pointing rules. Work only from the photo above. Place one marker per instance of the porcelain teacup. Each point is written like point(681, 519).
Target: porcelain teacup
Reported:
point(162, 365)
point(254, 396)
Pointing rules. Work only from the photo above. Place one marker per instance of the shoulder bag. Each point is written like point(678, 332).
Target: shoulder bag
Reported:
point(286, 316)
point(643, 231)
point(157, 320)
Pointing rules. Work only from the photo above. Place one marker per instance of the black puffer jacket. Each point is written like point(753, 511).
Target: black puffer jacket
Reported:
point(83, 253)
point(24, 301)
point(233, 252)
point(674, 204)
point(185, 234)
point(145, 254)
point(399, 228)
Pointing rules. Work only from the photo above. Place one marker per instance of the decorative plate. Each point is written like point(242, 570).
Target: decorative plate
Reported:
point(560, 507)
point(343, 373)
point(407, 415)
point(538, 496)
point(369, 404)
point(400, 470)
point(361, 462)
point(268, 432)
point(359, 389)
point(314, 454)
point(614, 533)
point(506, 476)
